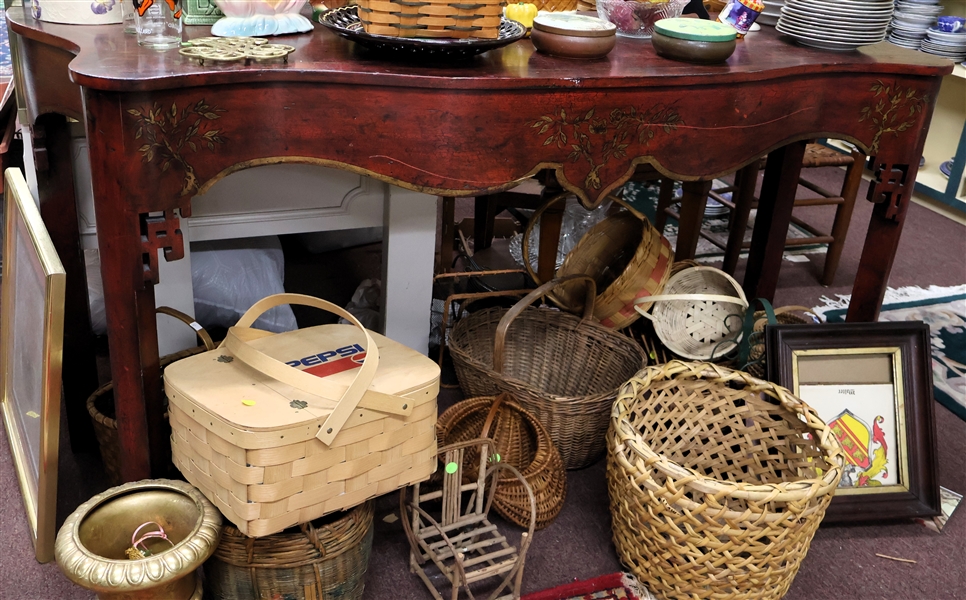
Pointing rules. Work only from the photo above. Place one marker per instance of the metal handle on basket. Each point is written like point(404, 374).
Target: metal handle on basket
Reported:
point(499, 340)
point(357, 394)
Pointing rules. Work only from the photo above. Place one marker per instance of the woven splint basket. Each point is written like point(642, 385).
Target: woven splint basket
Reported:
point(325, 559)
point(521, 442)
point(432, 18)
point(717, 481)
point(627, 257)
point(562, 368)
point(278, 430)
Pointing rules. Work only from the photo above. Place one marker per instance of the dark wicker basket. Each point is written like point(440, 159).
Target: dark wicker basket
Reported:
point(100, 404)
point(564, 369)
point(520, 441)
point(325, 559)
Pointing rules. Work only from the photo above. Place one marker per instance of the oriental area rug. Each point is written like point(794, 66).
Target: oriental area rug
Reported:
point(616, 586)
point(944, 310)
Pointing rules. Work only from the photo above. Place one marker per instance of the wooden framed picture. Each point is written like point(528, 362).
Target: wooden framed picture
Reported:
point(31, 342)
point(872, 384)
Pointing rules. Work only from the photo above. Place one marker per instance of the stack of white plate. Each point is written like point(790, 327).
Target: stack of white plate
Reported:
point(910, 21)
point(948, 45)
point(772, 11)
point(835, 25)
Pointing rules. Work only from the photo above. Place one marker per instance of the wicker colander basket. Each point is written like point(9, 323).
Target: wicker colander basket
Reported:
point(325, 559)
point(700, 313)
point(717, 481)
point(520, 441)
point(562, 368)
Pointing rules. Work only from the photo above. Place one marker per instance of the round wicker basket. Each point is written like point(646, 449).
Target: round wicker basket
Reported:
point(782, 316)
point(564, 369)
point(325, 559)
point(717, 481)
point(700, 314)
point(520, 441)
point(627, 257)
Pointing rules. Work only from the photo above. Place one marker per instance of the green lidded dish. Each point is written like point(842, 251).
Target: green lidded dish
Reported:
point(697, 30)
point(694, 40)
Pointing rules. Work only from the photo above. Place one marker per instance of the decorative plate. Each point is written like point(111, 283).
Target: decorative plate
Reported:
point(345, 22)
point(946, 168)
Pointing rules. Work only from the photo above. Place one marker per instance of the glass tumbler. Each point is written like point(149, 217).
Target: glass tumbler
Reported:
point(158, 23)
point(128, 13)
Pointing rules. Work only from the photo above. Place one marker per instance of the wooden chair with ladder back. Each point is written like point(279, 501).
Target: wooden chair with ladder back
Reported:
point(448, 527)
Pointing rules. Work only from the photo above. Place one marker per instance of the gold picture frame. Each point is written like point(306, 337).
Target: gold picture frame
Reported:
point(31, 352)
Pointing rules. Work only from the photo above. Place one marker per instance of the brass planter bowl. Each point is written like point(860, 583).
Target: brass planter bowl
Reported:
point(90, 547)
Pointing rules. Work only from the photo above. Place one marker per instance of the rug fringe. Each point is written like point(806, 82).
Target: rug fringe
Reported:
point(630, 582)
point(911, 293)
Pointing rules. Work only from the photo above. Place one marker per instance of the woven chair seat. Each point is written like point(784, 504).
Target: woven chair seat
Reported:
point(817, 155)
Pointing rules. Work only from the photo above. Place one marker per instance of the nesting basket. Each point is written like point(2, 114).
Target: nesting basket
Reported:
point(700, 313)
point(626, 256)
point(432, 18)
point(324, 559)
point(717, 481)
point(563, 369)
point(520, 441)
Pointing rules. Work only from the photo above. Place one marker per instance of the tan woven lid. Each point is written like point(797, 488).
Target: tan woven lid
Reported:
point(254, 408)
point(575, 25)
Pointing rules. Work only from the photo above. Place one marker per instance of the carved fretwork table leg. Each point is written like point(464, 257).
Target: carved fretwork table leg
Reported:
point(771, 223)
point(890, 190)
point(55, 182)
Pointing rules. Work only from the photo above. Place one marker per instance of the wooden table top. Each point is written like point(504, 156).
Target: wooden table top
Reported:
point(110, 60)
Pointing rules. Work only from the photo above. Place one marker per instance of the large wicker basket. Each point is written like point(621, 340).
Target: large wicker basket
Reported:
point(562, 368)
point(717, 481)
point(432, 18)
point(520, 441)
point(700, 313)
point(325, 559)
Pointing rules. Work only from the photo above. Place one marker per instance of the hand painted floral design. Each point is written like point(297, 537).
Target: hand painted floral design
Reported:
point(892, 110)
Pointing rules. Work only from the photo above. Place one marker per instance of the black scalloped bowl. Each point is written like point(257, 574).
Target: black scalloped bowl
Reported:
point(345, 22)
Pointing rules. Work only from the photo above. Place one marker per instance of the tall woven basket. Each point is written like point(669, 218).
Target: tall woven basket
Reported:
point(562, 368)
point(520, 441)
point(325, 559)
point(717, 481)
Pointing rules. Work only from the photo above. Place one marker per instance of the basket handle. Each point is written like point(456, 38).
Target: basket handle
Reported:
point(499, 340)
point(491, 415)
point(190, 322)
point(357, 394)
point(706, 297)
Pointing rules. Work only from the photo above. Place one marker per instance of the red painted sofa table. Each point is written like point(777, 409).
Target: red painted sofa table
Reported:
point(162, 129)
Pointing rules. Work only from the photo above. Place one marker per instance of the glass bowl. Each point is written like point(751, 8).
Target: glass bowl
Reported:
point(636, 19)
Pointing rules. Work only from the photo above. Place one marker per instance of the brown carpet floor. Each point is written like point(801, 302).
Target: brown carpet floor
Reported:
point(840, 565)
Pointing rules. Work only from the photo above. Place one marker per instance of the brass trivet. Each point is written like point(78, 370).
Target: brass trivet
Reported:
point(225, 49)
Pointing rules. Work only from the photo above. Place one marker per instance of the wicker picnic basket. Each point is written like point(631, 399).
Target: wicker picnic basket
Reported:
point(627, 257)
point(281, 429)
point(100, 404)
point(432, 18)
point(519, 440)
point(717, 481)
point(562, 368)
point(700, 313)
point(325, 559)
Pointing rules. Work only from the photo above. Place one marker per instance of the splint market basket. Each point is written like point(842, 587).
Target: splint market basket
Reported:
point(281, 429)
